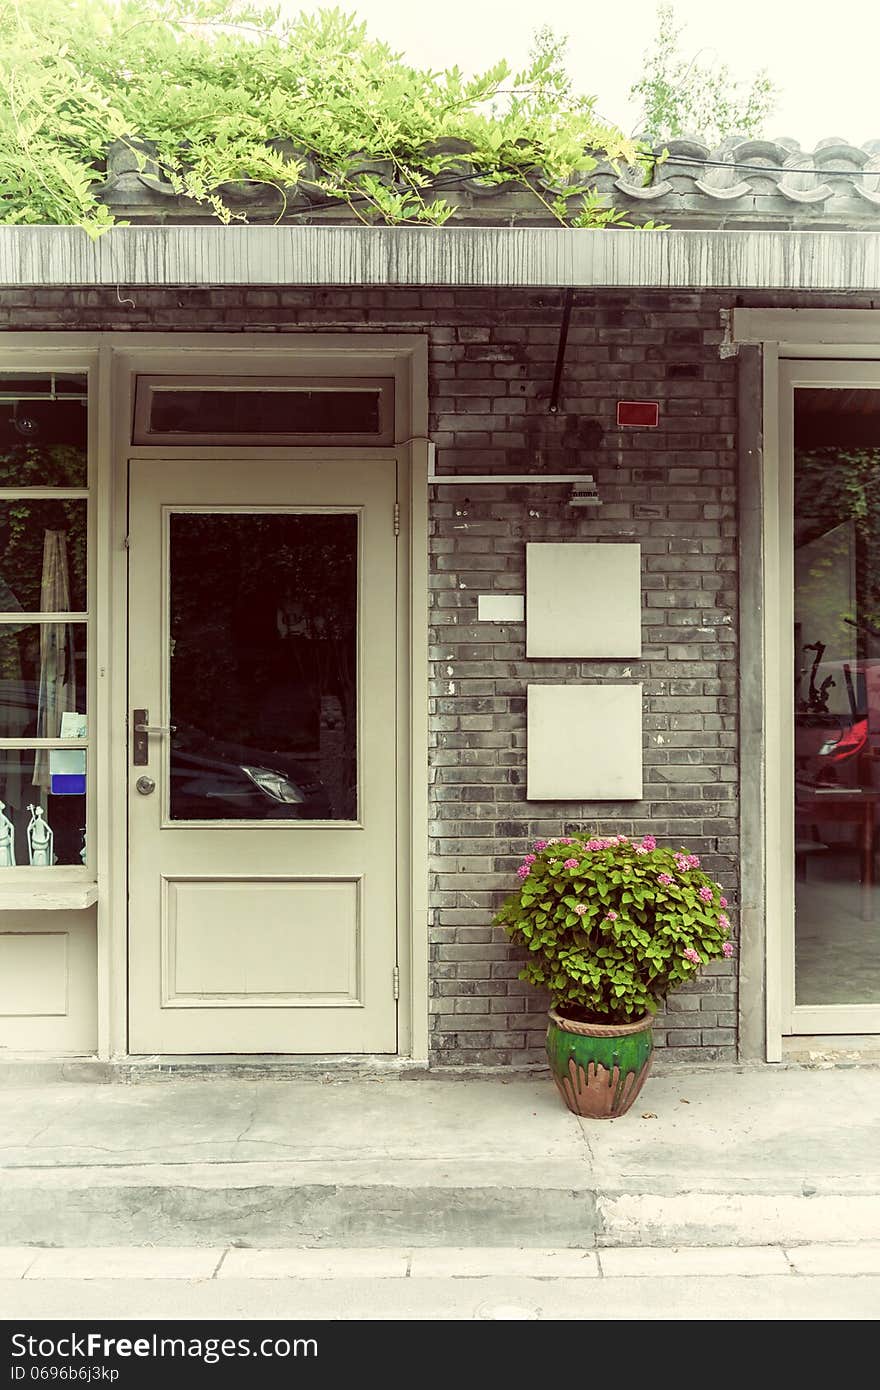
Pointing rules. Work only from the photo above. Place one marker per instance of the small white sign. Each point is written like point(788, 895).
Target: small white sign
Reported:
point(501, 608)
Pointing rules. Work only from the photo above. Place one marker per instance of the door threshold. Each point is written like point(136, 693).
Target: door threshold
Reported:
point(832, 1049)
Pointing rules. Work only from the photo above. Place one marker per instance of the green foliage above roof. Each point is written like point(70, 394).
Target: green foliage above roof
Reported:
point(215, 98)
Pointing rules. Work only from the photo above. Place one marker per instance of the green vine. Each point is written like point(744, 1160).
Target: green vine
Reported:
point(215, 97)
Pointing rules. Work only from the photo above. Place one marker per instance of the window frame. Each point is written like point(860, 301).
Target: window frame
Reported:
point(47, 363)
point(147, 386)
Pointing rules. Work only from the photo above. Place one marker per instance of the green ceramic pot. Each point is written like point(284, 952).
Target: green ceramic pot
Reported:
point(599, 1068)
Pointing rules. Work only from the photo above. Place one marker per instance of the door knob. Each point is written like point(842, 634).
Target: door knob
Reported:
point(145, 785)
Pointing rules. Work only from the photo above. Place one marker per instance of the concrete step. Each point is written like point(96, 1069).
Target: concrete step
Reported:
point(768, 1156)
point(280, 1205)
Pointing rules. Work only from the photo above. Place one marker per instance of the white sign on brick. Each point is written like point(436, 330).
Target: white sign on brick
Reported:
point(583, 600)
point(584, 742)
point(501, 608)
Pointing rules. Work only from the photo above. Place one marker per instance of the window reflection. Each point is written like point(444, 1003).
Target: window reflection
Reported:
point(42, 556)
point(837, 695)
point(43, 430)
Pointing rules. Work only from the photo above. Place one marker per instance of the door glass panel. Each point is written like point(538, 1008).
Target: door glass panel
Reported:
point(42, 807)
point(263, 663)
point(266, 412)
point(837, 695)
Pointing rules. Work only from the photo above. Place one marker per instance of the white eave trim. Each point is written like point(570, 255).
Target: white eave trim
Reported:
point(807, 328)
point(478, 256)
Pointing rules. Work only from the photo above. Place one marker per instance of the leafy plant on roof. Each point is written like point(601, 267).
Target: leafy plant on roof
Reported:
point(683, 96)
point(215, 95)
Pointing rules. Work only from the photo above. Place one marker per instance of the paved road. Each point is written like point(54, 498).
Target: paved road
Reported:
point(820, 1282)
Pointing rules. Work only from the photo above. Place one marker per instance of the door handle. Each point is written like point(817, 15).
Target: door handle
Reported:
point(141, 730)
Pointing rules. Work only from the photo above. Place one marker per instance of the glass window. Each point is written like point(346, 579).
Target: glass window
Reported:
point(264, 666)
point(43, 668)
point(212, 410)
point(42, 807)
point(42, 556)
point(43, 430)
point(837, 695)
point(42, 677)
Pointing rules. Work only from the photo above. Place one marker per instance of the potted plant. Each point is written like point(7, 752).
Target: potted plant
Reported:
point(611, 927)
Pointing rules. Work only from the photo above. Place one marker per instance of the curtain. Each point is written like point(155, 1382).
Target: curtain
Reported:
point(57, 691)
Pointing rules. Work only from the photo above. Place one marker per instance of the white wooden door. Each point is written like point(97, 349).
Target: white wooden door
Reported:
point(262, 796)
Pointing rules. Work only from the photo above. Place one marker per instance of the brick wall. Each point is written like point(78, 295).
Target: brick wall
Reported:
point(672, 489)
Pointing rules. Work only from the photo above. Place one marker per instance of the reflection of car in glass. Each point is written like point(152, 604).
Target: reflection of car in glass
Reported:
point(214, 781)
point(837, 725)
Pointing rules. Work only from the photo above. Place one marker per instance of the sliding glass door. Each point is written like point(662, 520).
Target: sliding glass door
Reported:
point(831, 518)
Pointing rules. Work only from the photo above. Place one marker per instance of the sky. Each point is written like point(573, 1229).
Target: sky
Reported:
point(824, 57)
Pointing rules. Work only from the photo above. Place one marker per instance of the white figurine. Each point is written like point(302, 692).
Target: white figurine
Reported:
point(7, 839)
point(40, 839)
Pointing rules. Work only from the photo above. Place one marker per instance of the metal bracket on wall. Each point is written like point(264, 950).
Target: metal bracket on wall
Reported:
point(574, 480)
point(567, 302)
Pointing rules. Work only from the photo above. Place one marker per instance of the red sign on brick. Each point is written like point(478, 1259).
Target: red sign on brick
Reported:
point(638, 413)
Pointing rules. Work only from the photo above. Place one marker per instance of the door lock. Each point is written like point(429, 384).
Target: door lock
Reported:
point(141, 730)
point(145, 785)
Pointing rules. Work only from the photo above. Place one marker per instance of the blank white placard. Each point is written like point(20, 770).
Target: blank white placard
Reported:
point(583, 600)
point(501, 608)
point(584, 743)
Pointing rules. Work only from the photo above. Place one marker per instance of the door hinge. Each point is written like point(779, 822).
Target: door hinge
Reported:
point(395, 981)
point(397, 518)
point(126, 542)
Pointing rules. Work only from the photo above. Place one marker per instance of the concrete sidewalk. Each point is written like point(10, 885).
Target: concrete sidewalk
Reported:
point(744, 1156)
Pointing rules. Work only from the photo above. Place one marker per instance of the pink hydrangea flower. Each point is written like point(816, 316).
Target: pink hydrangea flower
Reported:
point(648, 842)
point(693, 861)
point(580, 909)
point(727, 949)
point(665, 879)
point(682, 862)
point(621, 839)
point(705, 894)
point(524, 870)
point(723, 902)
point(593, 844)
point(691, 955)
point(723, 919)
point(611, 915)
point(567, 842)
point(540, 844)
point(529, 858)
point(570, 864)
point(640, 849)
